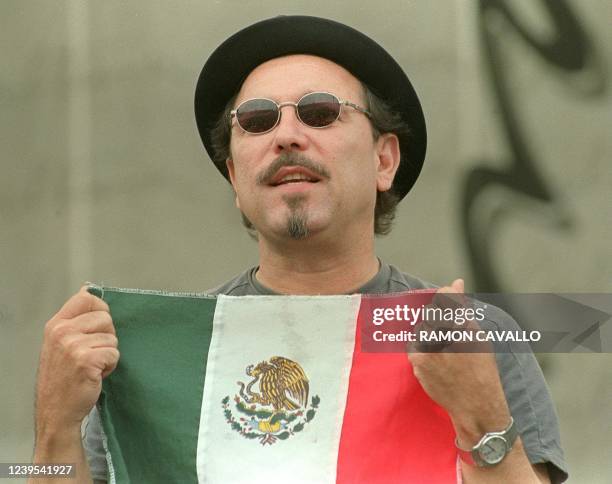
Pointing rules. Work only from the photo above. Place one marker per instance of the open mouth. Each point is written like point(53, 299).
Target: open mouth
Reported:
point(295, 179)
point(294, 175)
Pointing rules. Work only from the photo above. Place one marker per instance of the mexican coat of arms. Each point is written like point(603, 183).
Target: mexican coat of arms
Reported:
point(274, 404)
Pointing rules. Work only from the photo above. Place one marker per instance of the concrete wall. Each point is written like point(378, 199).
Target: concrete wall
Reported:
point(105, 179)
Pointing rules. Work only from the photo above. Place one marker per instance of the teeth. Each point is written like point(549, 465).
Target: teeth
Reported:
point(295, 177)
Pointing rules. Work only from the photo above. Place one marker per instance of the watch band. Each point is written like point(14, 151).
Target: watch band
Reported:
point(504, 441)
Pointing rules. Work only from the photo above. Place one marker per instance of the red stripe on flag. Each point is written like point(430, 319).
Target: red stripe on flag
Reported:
point(392, 431)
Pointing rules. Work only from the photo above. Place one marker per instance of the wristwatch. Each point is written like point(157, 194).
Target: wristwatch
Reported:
point(491, 448)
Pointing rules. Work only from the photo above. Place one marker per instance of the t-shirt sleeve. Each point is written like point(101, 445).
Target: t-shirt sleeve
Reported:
point(92, 436)
point(526, 390)
point(530, 403)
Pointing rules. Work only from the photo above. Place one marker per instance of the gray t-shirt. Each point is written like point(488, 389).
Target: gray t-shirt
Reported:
point(526, 391)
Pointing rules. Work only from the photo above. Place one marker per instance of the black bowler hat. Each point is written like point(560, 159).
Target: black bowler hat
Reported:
point(230, 64)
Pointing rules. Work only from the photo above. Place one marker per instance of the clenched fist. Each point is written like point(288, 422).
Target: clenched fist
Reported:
point(465, 383)
point(79, 349)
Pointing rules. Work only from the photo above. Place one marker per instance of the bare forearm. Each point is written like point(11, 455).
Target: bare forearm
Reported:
point(79, 349)
point(63, 447)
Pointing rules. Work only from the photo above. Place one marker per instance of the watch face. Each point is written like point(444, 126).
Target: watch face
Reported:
point(493, 449)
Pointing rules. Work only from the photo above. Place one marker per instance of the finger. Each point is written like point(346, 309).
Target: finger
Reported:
point(423, 346)
point(94, 322)
point(458, 285)
point(450, 296)
point(82, 302)
point(107, 359)
point(447, 298)
point(101, 340)
point(99, 362)
point(91, 341)
point(426, 340)
point(430, 325)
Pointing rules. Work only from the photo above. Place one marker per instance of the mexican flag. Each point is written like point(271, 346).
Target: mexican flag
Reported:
point(266, 389)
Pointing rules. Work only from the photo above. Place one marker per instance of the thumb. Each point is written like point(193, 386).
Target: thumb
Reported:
point(458, 286)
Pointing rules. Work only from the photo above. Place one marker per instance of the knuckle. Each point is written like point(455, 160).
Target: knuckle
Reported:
point(58, 330)
point(92, 374)
point(80, 357)
point(115, 355)
point(111, 326)
point(106, 318)
point(97, 317)
point(109, 341)
point(83, 298)
point(114, 342)
point(74, 346)
point(70, 345)
point(49, 328)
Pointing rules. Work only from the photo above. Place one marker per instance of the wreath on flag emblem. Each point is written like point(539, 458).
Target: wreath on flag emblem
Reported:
point(279, 409)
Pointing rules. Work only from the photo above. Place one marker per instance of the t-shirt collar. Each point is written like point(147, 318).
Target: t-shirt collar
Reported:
point(376, 285)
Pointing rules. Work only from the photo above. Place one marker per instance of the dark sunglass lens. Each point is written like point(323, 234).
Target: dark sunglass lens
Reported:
point(318, 109)
point(257, 115)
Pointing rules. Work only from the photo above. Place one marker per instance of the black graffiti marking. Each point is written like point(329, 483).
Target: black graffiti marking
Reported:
point(570, 50)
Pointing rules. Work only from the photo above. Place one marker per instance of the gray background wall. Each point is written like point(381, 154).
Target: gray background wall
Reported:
point(104, 177)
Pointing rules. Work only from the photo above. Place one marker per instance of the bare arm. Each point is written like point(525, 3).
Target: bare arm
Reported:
point(467, 385)
point(79, 350)
point(61, 447)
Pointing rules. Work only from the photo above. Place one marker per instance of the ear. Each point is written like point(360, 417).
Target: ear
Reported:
point(229, 163)
point(388, 158)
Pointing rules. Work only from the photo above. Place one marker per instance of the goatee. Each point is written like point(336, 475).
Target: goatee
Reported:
point(297, 222)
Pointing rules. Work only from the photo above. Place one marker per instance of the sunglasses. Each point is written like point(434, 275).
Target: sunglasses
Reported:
point(315, 109)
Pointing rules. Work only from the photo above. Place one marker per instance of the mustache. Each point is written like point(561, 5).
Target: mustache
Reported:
point(291, 159)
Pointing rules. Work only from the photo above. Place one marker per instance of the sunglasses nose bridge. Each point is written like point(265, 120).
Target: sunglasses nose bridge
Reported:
point(285, 104)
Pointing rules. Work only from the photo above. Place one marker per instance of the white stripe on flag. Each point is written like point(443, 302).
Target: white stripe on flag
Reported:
point(317, 333)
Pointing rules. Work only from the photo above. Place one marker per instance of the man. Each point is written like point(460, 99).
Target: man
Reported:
point(320, 133)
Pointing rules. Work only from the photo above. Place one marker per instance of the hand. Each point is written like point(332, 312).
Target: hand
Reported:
point(79, 349)
point(466, 384)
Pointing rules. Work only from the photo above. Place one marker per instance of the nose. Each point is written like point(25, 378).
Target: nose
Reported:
point(290, 134)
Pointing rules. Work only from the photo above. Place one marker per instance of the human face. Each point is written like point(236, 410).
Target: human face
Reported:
point(341, 163)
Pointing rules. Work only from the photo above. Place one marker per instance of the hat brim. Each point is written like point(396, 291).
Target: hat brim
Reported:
point(230, 64)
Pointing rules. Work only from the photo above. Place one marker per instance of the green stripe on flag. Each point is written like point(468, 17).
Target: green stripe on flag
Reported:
point(164, 344)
